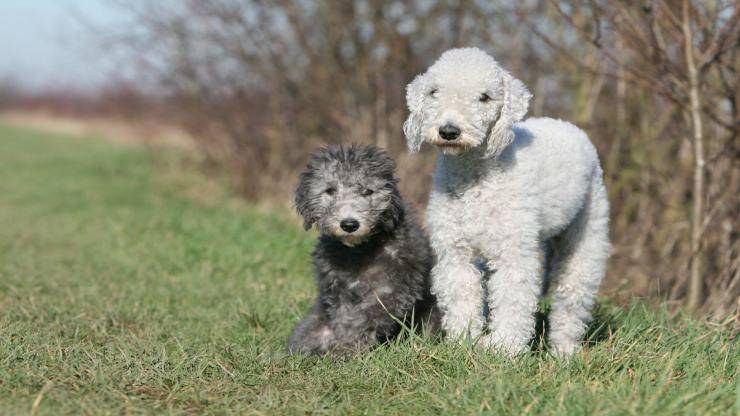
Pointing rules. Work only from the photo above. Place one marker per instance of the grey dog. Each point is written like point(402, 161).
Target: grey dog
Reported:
point(372, 259)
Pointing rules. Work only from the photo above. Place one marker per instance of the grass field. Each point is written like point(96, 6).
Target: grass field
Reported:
point(121, 292)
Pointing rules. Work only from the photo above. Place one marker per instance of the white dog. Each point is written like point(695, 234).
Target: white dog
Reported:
point(527, 199)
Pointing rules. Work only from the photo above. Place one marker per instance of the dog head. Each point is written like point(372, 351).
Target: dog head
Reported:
point(349, 194)
point(465, 100)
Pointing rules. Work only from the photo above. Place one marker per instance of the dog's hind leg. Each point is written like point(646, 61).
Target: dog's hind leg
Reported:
point(578, 265)
point(313, 334)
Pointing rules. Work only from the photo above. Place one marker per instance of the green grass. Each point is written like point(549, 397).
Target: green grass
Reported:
point(120, 294)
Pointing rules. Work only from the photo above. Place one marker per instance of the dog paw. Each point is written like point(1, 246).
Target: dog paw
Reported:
point(499, 343)
point(564, 348)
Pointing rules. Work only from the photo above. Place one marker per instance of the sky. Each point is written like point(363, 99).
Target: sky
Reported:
point(44, 43)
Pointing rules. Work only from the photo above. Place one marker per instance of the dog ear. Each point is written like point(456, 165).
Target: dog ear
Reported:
point(394, 214)
point(515, 105)
point(302, 198)
point(415, 103)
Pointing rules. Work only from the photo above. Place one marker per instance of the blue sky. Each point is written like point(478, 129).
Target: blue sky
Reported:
point(43, 43)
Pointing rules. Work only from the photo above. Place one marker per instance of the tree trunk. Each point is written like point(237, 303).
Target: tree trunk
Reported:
point(696, 281)
point(615, 152)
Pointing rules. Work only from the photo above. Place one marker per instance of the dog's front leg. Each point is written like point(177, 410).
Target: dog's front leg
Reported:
point(457, 284)
point(513, 293)
point(359, 327)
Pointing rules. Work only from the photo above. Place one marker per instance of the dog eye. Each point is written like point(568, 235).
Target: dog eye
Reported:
point(484, 98)
point(367, 192)
point(330, 191)
point(433, 92)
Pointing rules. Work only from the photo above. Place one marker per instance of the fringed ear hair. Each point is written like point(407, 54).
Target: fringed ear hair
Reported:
point(515, 105)
point(303, 198)
point(415, 103)
point(395, 212)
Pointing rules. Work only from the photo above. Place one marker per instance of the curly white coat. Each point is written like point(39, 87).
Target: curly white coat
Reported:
point(526, 198)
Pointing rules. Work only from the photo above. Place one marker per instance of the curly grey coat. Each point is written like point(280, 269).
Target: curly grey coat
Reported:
point(372, 259)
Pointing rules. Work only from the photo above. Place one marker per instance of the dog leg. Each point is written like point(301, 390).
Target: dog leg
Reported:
point(579, 264)
point(457, 284)
point(514, 290)
point(359, 327)
point(313, 334)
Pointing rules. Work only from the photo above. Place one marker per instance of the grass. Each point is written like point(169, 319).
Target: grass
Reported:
point(120, 293)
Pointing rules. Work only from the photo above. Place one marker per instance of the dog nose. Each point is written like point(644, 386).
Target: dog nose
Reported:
point(449, 132)
point(349, 225)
